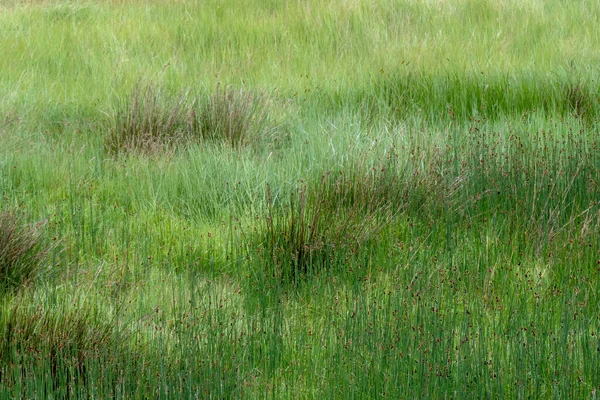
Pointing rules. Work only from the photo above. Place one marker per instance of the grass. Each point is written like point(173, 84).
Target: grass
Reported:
point(322, 225)
point(152, 121)
point(22, 251)
point(319, 199)
point(149, 121)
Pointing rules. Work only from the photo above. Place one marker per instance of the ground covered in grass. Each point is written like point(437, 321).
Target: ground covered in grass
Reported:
point(335, 199)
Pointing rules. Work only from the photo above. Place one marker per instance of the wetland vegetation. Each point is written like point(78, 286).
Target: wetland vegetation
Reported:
point(299, 199)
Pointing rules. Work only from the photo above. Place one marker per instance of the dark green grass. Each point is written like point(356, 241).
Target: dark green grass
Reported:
point(23, 251)
point(453, 97)
point(348, 199)
point(478, 277)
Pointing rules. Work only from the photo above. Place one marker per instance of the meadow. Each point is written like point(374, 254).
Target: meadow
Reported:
point(299, 199)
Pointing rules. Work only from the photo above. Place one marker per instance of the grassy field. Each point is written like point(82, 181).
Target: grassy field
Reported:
point(299, 199)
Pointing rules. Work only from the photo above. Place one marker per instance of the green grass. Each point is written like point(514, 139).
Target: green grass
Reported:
point(259, 199)
point(22, 251)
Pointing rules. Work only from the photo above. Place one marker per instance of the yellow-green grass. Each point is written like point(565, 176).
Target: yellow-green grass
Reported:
point(459, 137)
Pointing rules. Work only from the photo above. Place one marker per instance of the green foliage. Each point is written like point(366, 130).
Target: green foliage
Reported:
point(233, 117)
point(149, 121)
point(62, 342)
point(152, 121)
point(328, 221)
point(22, 251)
point(356, 199)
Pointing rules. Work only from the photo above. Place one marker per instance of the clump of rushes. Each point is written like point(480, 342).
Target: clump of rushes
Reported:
point(580, 101)
point(22, 252)
point(328, 222)
point(152, 121)
point(62, 341)
point(233, 117)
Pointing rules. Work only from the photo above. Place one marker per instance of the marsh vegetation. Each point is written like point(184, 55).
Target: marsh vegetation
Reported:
point(277, 199)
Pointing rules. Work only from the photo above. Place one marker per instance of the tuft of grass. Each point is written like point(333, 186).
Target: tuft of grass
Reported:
point(329, 221)
point(149, 121)
point(22, 252)
point(234, 117)
point(62, 341)
point(579, 101)
point(152, 121)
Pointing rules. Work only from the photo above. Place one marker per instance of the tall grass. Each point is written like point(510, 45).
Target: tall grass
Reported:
point(23, 251)
point(312, 199)
point(152, 121)
point(149, 121)
point(328, 221)
point(234, 117)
